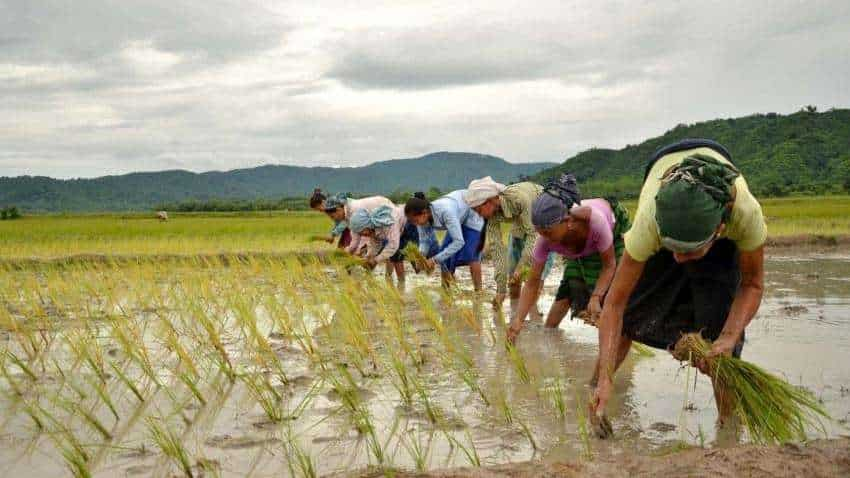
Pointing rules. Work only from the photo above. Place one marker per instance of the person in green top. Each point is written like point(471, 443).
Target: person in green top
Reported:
point(694, 262)
point(499, 204)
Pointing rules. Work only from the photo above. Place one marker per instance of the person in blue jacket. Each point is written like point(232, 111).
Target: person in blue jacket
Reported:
point(464, 239)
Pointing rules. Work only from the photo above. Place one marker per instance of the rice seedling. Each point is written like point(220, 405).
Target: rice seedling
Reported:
point(470, 452)
point(298, 460)
point(411, 253)
point(583, 428)
point(771, 409)
point(265, 395)
point(556, 397)
point(170, 445)
point(412, 442)
point(642, 350)
point(518, 362)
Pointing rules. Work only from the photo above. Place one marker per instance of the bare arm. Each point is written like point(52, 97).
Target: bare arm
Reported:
point(746, 303)
point(606, 275)
point(527, 298)
point(611, 324)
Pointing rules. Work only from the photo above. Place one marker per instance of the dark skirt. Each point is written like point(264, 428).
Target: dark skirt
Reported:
point(469, 253)
point(344, 239)
point(671, 299)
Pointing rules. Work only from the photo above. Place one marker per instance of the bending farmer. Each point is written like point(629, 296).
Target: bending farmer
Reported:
point(464, 238)
point(694, 262)
point(512, 204)
point(387, 232)
point(589, 234)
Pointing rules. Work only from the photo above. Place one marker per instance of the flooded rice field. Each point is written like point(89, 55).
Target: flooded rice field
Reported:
point(270, 369)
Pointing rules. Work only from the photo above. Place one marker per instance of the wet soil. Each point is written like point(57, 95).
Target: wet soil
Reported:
point(821, 458)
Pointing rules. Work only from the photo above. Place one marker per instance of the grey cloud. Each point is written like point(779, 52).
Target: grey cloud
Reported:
point(84, 31)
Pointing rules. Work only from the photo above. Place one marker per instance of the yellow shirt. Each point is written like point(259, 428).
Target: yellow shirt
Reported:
point(746, 225)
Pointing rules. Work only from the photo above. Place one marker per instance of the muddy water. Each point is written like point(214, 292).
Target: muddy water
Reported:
point(801, 332)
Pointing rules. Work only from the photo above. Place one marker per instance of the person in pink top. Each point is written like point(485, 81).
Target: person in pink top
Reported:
point(386, 232)
point(341, 210)
point(589, 234)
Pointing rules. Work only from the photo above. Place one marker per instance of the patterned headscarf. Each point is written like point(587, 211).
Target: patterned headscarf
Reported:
point(378, 218)
point(335, 201)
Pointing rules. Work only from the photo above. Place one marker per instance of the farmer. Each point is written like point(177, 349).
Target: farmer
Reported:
point(386, 231)
point(340, 208)
point(694, 262)
point(464, 238)
point(340, 229)
point(589, 234)
point(498, 204)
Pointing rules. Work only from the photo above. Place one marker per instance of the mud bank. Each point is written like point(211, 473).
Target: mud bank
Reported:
point(820, 458)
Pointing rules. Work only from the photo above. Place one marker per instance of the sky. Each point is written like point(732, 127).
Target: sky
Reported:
point(98, 87)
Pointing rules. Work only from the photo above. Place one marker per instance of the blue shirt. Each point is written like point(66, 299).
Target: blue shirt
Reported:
point(449, 213)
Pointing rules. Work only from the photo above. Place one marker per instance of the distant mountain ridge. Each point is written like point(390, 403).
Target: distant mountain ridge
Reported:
point(143, 191)
point(805, 152)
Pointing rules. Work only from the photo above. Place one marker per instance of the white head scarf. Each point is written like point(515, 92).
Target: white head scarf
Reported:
point(480, 190)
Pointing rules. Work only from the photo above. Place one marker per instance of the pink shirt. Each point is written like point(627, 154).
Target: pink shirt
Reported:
point(600, 234)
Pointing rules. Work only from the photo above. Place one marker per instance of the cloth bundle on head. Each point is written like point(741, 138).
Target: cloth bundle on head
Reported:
point(364, 219)
point(480, 190)
point(336, 201)
point(554, 204)
point(692, 201)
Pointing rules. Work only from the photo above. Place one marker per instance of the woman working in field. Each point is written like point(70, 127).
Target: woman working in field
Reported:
point(340, 229)
point(386, 232)
point(694, 262)
point(464, 238)
point(499, 204)
point(589, 235)
point(339, 208)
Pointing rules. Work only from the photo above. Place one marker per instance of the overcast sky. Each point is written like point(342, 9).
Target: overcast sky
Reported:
point(95, 87)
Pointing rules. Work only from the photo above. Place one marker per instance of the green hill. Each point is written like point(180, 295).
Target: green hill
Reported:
point(140, 191)
point(805, 152)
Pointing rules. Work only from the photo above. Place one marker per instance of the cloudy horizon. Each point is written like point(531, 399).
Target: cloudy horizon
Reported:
point(97, 87)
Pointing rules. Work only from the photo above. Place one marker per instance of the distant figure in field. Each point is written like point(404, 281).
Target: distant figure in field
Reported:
point(162, 215)
point(340, 229)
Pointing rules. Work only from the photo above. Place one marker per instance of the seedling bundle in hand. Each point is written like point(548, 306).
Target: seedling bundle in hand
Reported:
point(771, 409)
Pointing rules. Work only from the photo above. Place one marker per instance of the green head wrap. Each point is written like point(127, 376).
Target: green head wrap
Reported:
point(691, 202)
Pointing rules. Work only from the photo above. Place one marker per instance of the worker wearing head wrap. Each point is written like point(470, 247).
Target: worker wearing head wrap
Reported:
point(588, 234)
point(694, 261)
point(464, 238)
point(386, 231)
point(500, 204)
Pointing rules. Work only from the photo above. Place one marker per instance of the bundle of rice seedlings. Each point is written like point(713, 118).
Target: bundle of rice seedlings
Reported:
point(771, 409)
point(411, 252)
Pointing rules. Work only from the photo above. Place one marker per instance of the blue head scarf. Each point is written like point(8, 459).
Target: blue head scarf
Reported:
point(378, 218)
point(336, 201)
